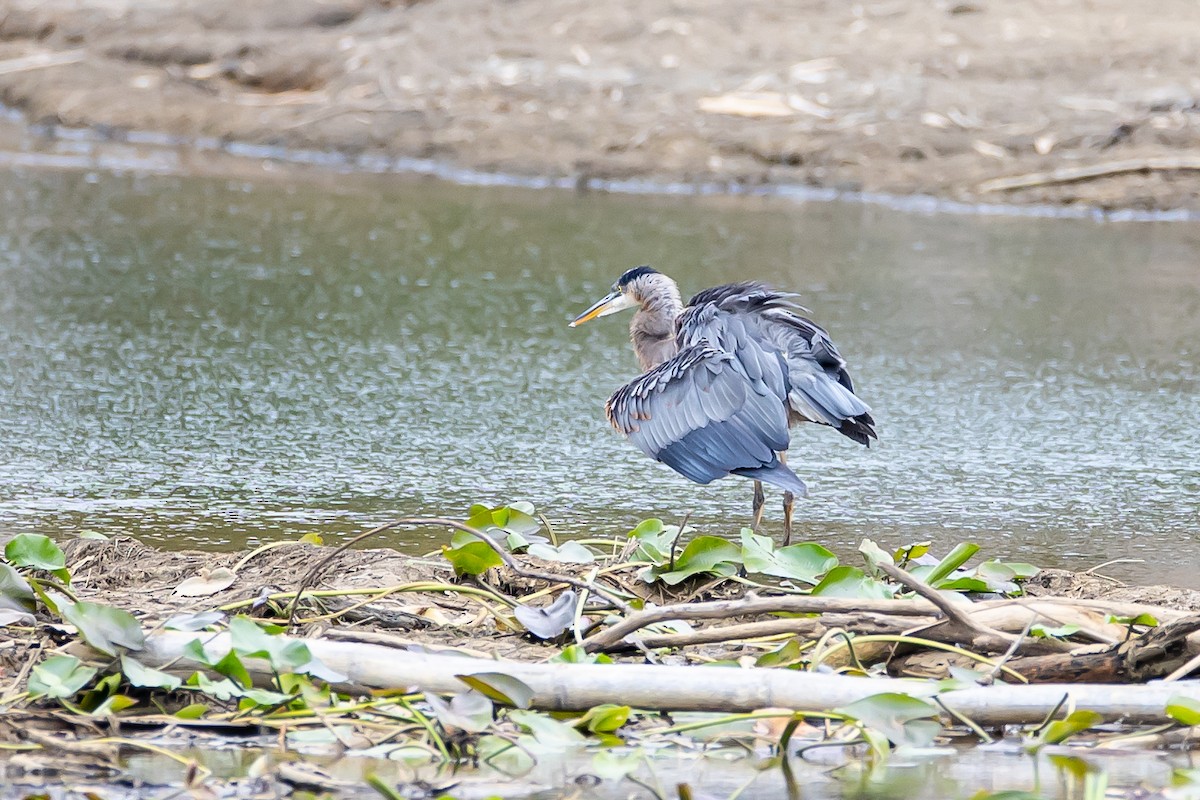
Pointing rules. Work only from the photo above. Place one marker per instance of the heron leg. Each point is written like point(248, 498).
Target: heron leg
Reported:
point(760, 500)
point(788, 500)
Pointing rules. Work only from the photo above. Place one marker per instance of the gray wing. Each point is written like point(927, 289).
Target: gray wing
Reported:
point(820, 387)
point(717, 407)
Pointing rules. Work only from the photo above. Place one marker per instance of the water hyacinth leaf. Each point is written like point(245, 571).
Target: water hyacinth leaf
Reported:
point(1062, 729)
point(59, 676)
point(192, 711)
point(566, 553)
point(1148, 620)
point(903, 719)
point(960, 555)
point(472, 558)
point(606, 718)
point(654, 540)
point(312, 538)
point(15, 591)
point(805, 562)
point(847, 581)
point(208, 582)
point(500, 687)
point(758, 552)
point(222, 690)
point(910, 552)
point(615, 766)
point(36, 551)
point(1053, 632)
point(873, 554)
point(965, 583)
point(12, 616)
point(469, 711)
point(547, 733)
point(193, 622)
point(1184, 710)
point(231, 666)
point(113, 705)
point(549, 621)
point(138, 674)
point(574, 654)
point(789, 653)
point(286, 655)
point(266, 697)
point(103, 627)
point(704, 555)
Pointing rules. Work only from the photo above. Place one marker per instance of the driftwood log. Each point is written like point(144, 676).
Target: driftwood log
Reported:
point(577, 687)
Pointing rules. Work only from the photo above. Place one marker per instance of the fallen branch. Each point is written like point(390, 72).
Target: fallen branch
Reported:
point(1076, 174)
point(751, 605)
point(577, 687)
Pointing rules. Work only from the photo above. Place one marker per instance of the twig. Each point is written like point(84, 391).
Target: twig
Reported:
point(1104, 170)
point(1185, 670)
point(983, 634)
point(504, 555)
point(965, 720)
point(675, 541)
point(990, 678)
point(858, 623)
point(40, 61)
point(723, 609)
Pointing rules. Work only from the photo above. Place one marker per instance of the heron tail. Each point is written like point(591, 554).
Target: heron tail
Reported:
point(776, 475)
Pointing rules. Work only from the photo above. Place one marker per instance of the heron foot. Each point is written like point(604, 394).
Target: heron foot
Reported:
point(760, 500)
point(788, 500)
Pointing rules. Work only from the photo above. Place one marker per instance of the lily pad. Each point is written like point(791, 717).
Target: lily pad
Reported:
point(847, 581)
point(59, 676)
point(903, 719)
point(704, 555)
point(138, 674)
point(472, 558)
point(103, 627)
point(500, 687)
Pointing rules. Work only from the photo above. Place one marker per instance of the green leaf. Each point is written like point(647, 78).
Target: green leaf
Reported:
point(873, 554)
point(59, 676)
point(547, 733)
point(113, 705)
point(789, 653)
point(192, 711)
point(960, 555)
point(575, 654)
point(910, 552)
point(901, 718)
point(613, 766)
point(1148, 620)
point(703, 555)
point(36, 551)
point(654, 541)
point(802, 562)
point(847, 581)
point(312, 538)
point(231, 666)
point(469, 711)
point(473, 558)
point(1184, 710)
point(193, 622)
point(222, 690)
point(103, 627)
point(267, 698)
point(286, 655)
point(500, 687)
point(15, 590)
point(138, 674)
point(1053, 632)
point(606, 718)
point(567, 553)
point(1062, 729)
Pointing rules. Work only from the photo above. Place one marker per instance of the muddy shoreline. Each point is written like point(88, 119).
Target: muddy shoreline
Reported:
point(1072, 106)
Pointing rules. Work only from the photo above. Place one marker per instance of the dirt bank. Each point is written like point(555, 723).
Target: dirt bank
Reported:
point(900, 97)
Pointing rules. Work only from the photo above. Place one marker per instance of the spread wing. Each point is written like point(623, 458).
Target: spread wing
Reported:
point(717, 407)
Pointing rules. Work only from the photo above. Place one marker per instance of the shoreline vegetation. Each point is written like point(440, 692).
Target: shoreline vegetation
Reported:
point(509, 646)
point(1023, 104)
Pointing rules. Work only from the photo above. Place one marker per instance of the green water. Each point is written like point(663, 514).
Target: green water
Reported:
point(210, 362)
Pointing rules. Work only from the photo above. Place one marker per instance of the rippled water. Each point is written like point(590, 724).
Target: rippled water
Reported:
point(207, 362)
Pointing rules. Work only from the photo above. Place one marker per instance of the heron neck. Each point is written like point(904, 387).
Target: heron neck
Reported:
point(652, 330)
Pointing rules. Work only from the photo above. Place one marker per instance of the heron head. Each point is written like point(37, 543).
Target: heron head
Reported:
point(630, 291)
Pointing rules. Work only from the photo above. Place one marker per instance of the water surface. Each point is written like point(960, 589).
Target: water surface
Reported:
point(213, 362)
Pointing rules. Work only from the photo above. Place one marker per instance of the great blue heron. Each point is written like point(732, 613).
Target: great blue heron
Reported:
point(723, 379)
